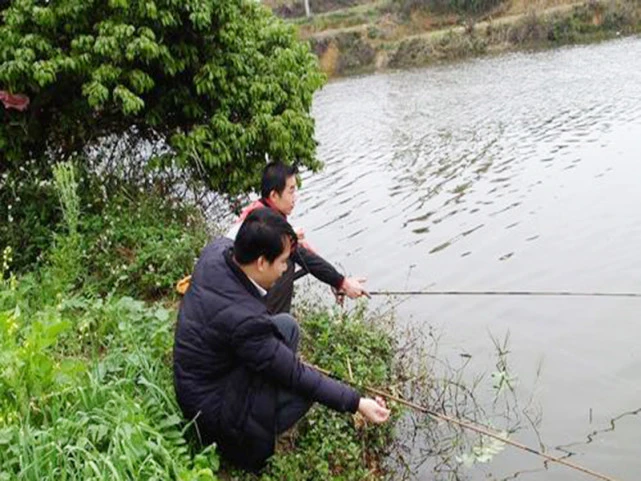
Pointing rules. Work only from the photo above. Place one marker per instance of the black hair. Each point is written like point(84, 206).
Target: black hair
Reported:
point(275, 178)
point(263, 233)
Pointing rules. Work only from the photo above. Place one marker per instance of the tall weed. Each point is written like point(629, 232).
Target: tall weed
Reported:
point(86, 393)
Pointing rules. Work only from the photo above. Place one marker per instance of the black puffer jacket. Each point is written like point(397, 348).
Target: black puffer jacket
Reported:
point(229, 360)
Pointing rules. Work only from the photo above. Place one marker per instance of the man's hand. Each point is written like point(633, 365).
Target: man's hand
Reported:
point(353, 287)
point(374, 410)
point(300, 233)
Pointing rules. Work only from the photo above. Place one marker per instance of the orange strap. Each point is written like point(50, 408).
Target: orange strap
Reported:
point(183, 285)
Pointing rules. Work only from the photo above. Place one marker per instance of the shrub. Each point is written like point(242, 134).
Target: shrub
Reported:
point(209, 89)
point(221, 83)
point(141, 245)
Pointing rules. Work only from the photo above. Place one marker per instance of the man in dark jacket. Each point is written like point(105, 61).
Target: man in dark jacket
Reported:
point(235, 366)
point(278, 192)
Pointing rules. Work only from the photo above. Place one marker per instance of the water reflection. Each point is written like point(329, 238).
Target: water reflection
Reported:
point(427, 151)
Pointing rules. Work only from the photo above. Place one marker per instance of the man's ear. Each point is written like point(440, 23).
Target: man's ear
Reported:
point(273, 195)
point(261, 263)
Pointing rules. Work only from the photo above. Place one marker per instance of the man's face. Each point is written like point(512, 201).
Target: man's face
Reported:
point(285, 202)
point(271, 271)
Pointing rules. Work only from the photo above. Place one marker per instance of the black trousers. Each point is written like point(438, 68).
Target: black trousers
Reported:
point(279, 296)
point(290, 407)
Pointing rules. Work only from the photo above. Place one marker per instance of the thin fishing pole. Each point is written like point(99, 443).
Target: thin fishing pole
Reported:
point(467, 424)
point(369, 294)
point(473, 427)
point(505, 293)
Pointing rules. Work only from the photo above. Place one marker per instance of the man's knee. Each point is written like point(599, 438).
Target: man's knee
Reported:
point(288, 327)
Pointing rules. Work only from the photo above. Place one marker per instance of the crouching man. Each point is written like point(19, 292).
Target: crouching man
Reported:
point(235, 366)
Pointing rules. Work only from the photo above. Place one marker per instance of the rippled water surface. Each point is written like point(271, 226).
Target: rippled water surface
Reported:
point(521, 172)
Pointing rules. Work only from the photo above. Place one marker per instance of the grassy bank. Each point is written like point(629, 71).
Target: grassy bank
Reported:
point(376, 36)
point(86, 336)
point(86, 393)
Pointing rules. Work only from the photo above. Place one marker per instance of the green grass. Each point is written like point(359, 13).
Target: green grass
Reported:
point(86, 390)
point(86, 386)
point(347, 17)
point(86, 393)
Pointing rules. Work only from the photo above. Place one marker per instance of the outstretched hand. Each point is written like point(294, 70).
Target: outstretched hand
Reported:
point(353, 287)
point(374, 410)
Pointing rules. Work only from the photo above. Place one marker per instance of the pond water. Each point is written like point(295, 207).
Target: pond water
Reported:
point(518, 172)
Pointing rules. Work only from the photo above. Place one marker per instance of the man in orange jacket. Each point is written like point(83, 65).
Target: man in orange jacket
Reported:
point(279, 192)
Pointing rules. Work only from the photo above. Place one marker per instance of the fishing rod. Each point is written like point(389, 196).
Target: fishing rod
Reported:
point(504, 293)
point(471, 426)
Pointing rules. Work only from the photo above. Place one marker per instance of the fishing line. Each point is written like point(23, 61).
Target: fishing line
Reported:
point(506, 293)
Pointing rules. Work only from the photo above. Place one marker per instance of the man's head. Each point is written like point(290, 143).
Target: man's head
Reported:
point(279, 186)
point(263, 245)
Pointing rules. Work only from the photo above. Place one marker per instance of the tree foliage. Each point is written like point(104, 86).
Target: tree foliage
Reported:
point(221, 83)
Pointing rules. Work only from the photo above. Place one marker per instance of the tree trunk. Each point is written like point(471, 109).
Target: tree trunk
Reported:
point(308, 11)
